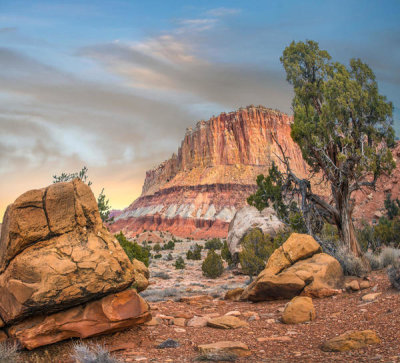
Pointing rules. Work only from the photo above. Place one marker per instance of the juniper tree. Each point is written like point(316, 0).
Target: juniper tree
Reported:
point(343, 126)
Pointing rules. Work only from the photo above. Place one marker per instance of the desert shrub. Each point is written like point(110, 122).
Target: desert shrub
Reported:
point(179, 263)
point(392, 206)
point(389, 256)
point(394, 275)
point(132, 249)
point(161, 275)
point(374, 260)
point(366, 238)
point(9, 353)
point(256, 248)
point(84, 353)
point(194, 253)
point(169, 246)
point(226, 254)
point(212, 265)
point(213, 244)
point(157, 247)
point(169, 257)
point(157, 256)
point(351, 265)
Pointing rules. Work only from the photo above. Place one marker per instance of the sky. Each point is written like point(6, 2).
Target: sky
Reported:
point(112, 85)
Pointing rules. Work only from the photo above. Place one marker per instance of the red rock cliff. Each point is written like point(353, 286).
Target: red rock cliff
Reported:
point(197, 192)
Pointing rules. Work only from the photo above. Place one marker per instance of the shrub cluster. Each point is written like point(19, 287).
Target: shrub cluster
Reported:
point(133, 250)
point(84, 353)
point(179, 263)
point(226, 254)
point(194, 253)
point(212, 266)
point(351, 265)
point(213, 244)
point(169, 246)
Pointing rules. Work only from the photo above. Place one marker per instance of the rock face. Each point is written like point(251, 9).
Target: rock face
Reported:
point(197, 192)
point(55, 254)
point(248, 218)
point(297, 267)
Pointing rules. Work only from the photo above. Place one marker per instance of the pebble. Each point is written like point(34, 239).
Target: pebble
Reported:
point(169, 343)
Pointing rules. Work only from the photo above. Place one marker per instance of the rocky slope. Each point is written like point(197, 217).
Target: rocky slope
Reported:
point(197, 191)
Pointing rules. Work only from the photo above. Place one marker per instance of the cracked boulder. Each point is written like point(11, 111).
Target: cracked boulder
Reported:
point(56, 254)
point(297, 267)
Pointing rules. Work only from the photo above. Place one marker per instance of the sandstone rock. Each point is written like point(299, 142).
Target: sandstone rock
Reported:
point(3, 336)
point(364, 284)
point(198, 321)
point(370, 297)
point(196, 300)
point(197, 192)
point(153, 322)
point(71, 260)
point(233, 313)
point(142, 275)
point(249, 218)
point(1, 323)
point(234, 295)
point(317, 276)
point(299, 310)
point(351, 340)
point(297, 247)
point(179, 321)
point(227, 322)
point(109, 314)
point(237, 348)
point(352, 285)
point(274, 339)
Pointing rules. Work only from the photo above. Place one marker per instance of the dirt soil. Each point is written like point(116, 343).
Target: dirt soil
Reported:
point(288, 343)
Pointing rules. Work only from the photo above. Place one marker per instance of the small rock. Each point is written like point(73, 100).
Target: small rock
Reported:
point(364, 284)
point(169, 343)
point(350, 340)
point(299, 310)
point(198, 321)
point(370, 297)
point(153, 322)
point(233, 313)
point(179, 321)
point(278, 339)
point(352, 285)
point(237, 348)
point(270, 321)
point(180, 330)
point(227, 322)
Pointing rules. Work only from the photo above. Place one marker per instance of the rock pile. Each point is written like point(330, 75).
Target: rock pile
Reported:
point(297, 267)
point(62, 274)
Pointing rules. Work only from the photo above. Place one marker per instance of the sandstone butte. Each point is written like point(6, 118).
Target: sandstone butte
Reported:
point(197, 192)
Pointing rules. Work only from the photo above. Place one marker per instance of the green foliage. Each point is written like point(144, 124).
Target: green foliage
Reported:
point(342, 125)
point(104, 207)
point(213, 244)
point(226, 254)
point(132, 249)
point(169, 246)
point(212, 266)
point(270, 192)
point(392, 206)
point(66, 177)
point(194, 253)
point(157, 247)
point(387, 232)
point(256, 248)
point(158, 255)
point(179, 263)
point(169, 257)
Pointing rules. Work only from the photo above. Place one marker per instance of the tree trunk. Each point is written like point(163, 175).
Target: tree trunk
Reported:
point(348, 233)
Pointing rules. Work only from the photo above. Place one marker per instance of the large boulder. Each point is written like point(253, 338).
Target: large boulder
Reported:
point(249, 218)
point(297, 267)
point(55, 253)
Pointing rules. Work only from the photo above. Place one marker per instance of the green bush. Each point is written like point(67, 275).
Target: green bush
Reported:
point(226, 254)
point(179, 263)
point(169, 246)
point(157, 247)
point(212, 266)
point(169, 257)
point(213, 244)
point(157, 256)
point(132, 249)
point(256, 249)
point(194, 252)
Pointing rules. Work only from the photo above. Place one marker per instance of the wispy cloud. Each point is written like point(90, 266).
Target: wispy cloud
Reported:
point(223, 11)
